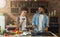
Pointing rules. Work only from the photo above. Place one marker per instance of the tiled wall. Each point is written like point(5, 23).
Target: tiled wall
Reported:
point(55, 4)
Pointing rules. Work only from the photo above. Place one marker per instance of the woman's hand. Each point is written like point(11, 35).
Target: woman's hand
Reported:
point(33, 26)
point(21, 23)
point(31, 31)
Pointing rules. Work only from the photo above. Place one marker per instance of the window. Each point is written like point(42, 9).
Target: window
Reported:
point(2, 3)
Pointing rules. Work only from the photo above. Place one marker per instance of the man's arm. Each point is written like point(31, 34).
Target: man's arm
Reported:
point(33, 21)
point(47, 24)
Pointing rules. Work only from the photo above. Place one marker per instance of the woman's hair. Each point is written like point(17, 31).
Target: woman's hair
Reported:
point(24, 9)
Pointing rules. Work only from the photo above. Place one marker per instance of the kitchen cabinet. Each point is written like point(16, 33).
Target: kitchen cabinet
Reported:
point(53, 23)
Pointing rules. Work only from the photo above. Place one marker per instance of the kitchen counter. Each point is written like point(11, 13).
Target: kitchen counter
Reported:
point(18, 35)
point(10, 26)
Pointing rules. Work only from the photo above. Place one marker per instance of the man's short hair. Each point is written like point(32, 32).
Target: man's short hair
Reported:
point(42, 7)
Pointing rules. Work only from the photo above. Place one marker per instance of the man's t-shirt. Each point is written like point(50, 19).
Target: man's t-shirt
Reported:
point(41, 17)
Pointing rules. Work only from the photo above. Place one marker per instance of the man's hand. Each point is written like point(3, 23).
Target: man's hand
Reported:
point(31, 30)
point(46, 29)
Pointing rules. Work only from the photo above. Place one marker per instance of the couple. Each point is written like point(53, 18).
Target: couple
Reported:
point(40, 20)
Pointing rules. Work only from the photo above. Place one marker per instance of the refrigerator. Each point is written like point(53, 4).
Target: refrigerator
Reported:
point(2, 23)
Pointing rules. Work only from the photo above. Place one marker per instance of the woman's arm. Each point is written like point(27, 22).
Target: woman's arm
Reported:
point(11, 15)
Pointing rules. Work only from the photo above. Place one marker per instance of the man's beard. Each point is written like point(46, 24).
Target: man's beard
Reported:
point(41, 12)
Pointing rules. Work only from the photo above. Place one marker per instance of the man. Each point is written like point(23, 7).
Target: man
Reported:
point(40, 20)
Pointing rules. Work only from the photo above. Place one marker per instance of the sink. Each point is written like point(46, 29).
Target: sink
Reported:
point(42, 34)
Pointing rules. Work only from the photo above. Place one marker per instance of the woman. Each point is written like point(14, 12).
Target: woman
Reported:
point(23, 20)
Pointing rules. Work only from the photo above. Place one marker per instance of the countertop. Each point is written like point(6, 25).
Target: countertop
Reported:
point(18, 35)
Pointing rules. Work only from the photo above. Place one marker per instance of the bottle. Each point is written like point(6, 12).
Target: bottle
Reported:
point(35, 0)
point(49, 14)
point(54, 12)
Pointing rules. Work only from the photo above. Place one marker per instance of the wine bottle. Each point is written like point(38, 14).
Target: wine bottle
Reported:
point(54, 12)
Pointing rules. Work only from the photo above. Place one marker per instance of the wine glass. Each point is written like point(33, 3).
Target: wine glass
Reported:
point(23, 19)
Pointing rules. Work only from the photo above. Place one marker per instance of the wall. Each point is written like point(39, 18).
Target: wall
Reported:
point(53, 4)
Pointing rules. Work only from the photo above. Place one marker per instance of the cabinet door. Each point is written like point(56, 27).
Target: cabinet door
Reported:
point(14, 10)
